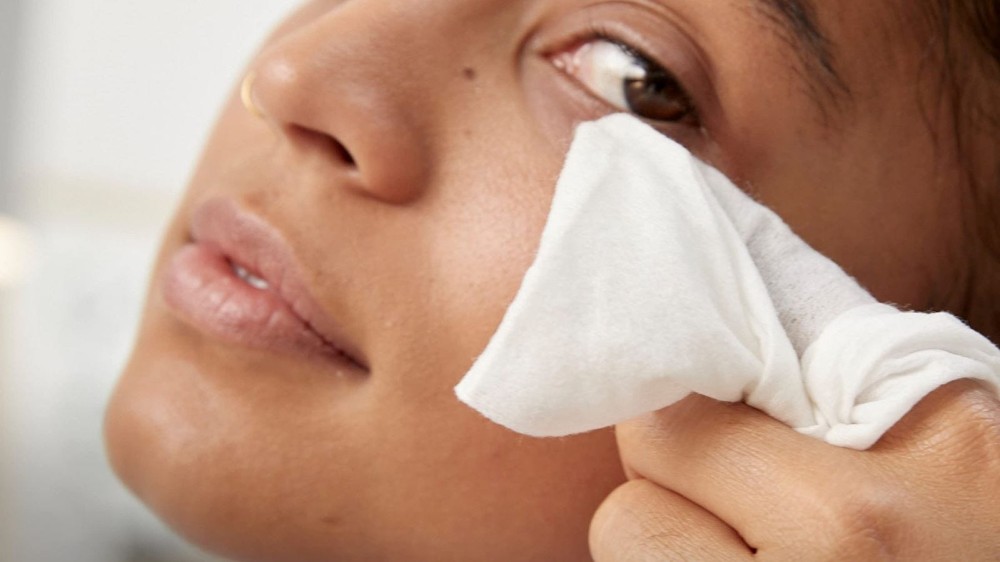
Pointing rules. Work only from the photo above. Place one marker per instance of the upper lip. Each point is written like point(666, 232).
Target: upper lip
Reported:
point(251, 242)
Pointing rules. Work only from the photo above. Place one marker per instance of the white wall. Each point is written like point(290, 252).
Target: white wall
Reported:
point(121, 91)
point(113, 99)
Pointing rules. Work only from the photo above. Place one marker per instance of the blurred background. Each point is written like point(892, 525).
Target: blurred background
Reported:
point(104, 105)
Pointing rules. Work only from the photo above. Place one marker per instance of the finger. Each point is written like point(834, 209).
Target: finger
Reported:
point(945, 453)
point(959, 421)
point(762, 478)
point(642, 522)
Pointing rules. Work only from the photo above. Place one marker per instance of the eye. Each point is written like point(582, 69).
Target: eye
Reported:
point(628, 81)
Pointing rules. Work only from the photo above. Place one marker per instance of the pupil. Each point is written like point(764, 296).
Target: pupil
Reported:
point(657, 96)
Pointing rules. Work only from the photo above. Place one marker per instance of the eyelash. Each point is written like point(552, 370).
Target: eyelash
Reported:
point(595, 33)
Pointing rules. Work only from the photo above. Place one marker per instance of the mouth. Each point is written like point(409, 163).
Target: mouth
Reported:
point(236, 280)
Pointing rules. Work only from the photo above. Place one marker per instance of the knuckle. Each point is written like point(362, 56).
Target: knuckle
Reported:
point(864, 524)
point(977, 435)
point(959, 422)
point(977, 408)
point(955, 442)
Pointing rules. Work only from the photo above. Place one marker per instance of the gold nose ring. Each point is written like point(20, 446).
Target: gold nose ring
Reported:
point(246, 95)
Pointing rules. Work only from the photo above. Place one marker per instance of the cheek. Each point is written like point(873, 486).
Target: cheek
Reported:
point(444, 272)
point(492, 494)
point(446, 287)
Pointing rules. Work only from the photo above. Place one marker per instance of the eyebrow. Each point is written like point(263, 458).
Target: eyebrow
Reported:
point(799, 26)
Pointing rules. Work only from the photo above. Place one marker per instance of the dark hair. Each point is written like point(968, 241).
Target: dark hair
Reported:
point(983, 19)
point(969, 48)
point(979, 20)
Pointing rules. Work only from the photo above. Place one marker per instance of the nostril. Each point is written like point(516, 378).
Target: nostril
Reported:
point(341, 151)
point(335, 148)
point(327, 143)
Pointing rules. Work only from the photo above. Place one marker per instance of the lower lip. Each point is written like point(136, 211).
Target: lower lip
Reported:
point(199, 285)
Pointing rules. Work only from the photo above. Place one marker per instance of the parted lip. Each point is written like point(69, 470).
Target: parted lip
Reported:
point(249, 241)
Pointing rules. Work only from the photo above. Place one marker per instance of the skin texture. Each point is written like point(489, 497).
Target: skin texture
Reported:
point(407, 155)
point(926, 491)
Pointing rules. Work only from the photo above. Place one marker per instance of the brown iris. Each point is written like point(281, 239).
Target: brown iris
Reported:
point(658, 96)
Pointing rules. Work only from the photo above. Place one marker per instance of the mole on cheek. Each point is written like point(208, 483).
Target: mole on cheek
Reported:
point(469, 73)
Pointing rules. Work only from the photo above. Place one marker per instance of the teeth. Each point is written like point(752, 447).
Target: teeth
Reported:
point(249, 278)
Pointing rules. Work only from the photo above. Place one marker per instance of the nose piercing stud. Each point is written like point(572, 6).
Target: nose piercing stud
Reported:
point(246, 95)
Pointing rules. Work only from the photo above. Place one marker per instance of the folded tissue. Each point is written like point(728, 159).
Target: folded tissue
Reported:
point(656, 277)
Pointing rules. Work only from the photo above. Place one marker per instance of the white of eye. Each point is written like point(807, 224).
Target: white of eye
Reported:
point(603, 67)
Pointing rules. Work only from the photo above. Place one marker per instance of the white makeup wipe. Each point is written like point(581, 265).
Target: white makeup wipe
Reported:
point(656, 277)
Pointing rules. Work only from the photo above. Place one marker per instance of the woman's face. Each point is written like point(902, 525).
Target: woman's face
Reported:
point(391, 195)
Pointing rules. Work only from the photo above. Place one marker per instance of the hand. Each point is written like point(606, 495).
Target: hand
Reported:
point(715, 481)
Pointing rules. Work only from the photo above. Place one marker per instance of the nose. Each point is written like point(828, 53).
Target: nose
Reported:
point(338, 89)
